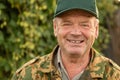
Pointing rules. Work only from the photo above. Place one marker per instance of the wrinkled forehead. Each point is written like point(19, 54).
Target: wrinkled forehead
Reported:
point(76, 12)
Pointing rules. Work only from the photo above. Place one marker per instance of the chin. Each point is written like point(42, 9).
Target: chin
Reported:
point(76, 54)
point(75, 51)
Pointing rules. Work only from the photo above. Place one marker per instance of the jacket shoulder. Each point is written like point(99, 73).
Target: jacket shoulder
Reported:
point(112, 70)
point(114, 65)
point(109, 62)
point(104, 67)
point(33, 61)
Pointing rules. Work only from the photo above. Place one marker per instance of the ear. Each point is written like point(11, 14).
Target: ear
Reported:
point(97, 28)
point(55, 27)
point(97, 31)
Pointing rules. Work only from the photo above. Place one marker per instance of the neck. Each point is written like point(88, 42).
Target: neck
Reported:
point(75, 59)
point(74, 64)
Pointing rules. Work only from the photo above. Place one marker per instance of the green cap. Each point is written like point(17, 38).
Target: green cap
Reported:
point(86, 5)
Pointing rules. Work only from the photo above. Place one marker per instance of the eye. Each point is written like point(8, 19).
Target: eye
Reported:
point(66, 24)
point(85, 25)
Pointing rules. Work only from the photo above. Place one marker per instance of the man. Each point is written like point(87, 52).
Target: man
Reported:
point(76, 28)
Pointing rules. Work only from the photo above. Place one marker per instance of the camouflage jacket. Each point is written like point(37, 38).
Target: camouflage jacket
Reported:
point(42, 68)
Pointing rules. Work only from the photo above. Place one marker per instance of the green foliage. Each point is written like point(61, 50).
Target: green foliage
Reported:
point(106, 8)
point(26, 32)
point(103, 39)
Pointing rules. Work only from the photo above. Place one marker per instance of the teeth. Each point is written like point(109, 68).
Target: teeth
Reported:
point(73, 41)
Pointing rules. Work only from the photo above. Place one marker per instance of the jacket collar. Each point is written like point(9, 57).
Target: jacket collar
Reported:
point(47, 62)
point(97, 64)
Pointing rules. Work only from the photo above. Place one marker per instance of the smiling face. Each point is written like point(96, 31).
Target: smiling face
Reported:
point(76, 31)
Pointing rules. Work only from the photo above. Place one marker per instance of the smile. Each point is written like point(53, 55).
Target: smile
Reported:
point(75, 41)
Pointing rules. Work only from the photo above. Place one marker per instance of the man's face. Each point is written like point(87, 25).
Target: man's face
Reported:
point(76, 31)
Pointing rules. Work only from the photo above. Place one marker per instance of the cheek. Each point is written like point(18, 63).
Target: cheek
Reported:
point(61, 32)
point(89, 35)
point(60, 36)
point(92, 36)
point(93, 31)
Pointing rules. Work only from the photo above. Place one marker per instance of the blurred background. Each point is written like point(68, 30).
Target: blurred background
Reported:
point(26, 31)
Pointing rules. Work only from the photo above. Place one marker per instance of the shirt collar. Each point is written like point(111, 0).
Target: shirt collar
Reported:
point(59, 60)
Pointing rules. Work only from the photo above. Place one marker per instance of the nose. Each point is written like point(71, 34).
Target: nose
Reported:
point(76, 31)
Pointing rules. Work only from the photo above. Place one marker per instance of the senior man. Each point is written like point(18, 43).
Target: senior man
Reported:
point(76, 26)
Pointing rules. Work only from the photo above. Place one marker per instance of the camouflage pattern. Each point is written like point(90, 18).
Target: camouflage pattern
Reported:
point(42, 68)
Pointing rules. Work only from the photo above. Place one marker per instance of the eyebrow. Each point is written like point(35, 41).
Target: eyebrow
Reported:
point(81, 21)
point(66, 20)
point(84, 21)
